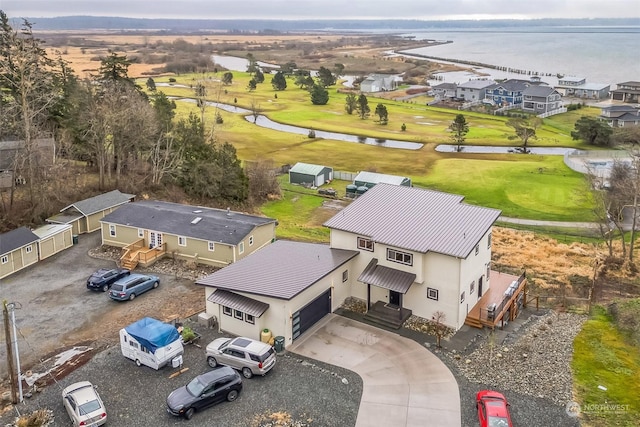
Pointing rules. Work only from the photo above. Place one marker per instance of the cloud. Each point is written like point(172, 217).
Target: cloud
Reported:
point(327, 9)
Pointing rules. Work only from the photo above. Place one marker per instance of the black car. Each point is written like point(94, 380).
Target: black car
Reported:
point(213, 387)
point(102, 279)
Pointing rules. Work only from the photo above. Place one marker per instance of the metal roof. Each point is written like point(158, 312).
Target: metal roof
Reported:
point(308, 169)
point(215, 225)
point(386, 277)
point(416, 219)
point(377, 178)
point(238, 302)
point(282, 269)
point(15, 239)
point(100, 202)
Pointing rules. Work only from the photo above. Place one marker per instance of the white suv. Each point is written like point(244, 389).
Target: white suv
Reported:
point(251, 357)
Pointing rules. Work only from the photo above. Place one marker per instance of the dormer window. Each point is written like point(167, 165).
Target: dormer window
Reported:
point(366, 244)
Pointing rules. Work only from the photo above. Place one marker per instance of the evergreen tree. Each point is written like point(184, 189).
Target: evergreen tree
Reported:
point(459, 129)
point(351, 103)
point(279, 82)
point(326, 77)
point(362, 106)
point(383, 115)
point(319, 95)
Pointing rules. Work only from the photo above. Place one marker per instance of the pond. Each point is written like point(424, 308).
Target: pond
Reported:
point(482, 149)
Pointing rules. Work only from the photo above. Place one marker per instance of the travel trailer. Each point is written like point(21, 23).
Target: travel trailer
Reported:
point(152, 343)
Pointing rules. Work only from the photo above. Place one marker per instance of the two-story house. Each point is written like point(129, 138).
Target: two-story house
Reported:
point(401, 250)
point(579, 88)
point(626, 92)
point(509, 92)
point(473, 90)
point(379, 83)
point(541, 100)
point(617, 115)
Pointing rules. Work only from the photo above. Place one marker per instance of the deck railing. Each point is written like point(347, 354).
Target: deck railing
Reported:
point(492, 317)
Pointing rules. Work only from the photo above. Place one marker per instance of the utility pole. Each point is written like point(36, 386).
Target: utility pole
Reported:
point(12, 307)
point(8, 340)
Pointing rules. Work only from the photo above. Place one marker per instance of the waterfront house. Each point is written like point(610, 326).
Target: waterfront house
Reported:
point(509, 92)
point(541, 100)
point(627, 92)
point(148, 230)
point(473, 90)
point(445, 90)
point(578, 87)
point(378, 83)
point(617, 115)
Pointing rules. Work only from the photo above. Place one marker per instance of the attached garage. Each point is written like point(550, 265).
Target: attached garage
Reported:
point(285, 287)
point(311, 175)
point(310, 314)
point(53, 238)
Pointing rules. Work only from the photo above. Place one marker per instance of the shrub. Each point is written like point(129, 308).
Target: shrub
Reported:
point(312, 133)
point(187, 334)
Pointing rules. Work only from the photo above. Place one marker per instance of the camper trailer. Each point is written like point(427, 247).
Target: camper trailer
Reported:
point(151, 342)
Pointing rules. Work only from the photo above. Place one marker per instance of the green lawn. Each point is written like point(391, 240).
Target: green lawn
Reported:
point(553, 191)
point(602, 357)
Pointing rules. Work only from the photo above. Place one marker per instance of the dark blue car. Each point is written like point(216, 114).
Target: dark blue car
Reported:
point(133, 285)
point(102, 279)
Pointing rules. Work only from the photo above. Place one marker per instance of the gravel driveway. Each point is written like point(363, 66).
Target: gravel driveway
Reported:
point(311, 392)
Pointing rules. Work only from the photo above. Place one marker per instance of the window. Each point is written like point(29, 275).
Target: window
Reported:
point(241, 248)
point(366, 244)
point(5, 259)
point(133, 344)
point(226, 310)
point(488, 269)
point(29, 249)
point(250, 240)
point(238, 314)
point(112, 230)
point(345, 276)
point(489, 241)
point(401, 257)
point(477, 249)
point(140, 232)
point(472, 287)
point(182, 241)
point(212, 246)
point(249, 319)
point(461, 298)
point(432, 294)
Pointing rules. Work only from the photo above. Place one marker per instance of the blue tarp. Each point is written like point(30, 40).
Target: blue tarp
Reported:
point(152, 333)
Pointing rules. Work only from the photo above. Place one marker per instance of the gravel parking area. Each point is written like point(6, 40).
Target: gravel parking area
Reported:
point(311, 393)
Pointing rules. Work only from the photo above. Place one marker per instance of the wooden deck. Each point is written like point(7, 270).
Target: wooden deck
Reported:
point(137, 253)
point(506, 307)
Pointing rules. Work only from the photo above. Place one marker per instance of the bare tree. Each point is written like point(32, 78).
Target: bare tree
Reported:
point(439, 328)
point(255, 109)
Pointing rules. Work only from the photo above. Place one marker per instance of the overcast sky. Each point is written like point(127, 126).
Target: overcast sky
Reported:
point(326, 9)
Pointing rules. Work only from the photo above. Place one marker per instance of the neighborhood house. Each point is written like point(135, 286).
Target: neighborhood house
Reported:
point(401, 250)
point(148, 230)
point(18, 249)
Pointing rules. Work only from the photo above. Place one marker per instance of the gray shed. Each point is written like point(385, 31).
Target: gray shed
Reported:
point(369, 179)
point(314, 175)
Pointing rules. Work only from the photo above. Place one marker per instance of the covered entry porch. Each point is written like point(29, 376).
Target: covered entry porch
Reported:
point(395, 283)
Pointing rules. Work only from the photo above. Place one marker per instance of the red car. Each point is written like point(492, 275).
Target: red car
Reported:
point(493, 409)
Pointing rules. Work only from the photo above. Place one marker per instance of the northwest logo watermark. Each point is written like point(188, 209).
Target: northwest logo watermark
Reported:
point(574, 409)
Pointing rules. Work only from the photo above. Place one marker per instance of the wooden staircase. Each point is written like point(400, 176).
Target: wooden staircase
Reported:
point(128, 263)
point(473, 322)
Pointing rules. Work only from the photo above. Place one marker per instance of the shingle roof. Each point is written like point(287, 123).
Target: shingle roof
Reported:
point(512, 85)
point(477, 84)
point(238, 302)
point(445, 86)
point(416, 219)
point(100, 202)
point(307, 169)
point(15, 239)
point(539, 91)
point(377, 178)
point(215, 225)
point(282, 269)
point(386, 277)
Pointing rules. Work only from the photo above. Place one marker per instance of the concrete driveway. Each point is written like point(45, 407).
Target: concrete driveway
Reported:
point(404, 384)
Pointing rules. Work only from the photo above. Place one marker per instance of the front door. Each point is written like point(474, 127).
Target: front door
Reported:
point(155, 239)
point(394, 298)
point(480, 286)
